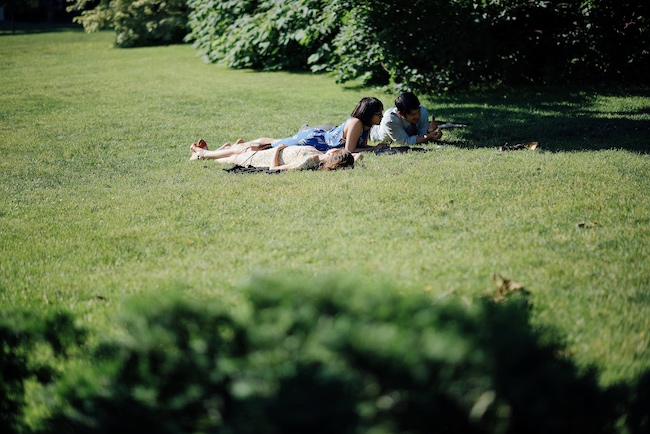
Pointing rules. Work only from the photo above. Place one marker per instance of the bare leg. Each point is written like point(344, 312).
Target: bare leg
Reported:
point(227, 149)
point(219, 153)
point(232, 159)
point(228, 144)
point(262, 141)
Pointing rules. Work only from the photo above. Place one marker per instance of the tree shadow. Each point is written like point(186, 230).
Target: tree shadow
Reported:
point(559, 119)
point(24, 28)
point(638, 418)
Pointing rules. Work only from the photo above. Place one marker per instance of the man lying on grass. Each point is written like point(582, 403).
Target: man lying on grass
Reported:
point(406, 123)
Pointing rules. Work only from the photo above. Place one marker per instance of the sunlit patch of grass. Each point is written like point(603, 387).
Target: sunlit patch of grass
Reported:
point(99, 200)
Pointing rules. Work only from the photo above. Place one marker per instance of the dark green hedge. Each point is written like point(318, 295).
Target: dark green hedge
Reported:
point(431, 46)
point(328, 357)
point(428, 46)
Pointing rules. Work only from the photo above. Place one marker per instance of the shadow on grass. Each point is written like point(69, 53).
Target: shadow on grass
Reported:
point(560, 119)
point(7, 28)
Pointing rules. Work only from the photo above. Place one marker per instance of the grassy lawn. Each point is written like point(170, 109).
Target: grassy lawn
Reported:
point(99, 202)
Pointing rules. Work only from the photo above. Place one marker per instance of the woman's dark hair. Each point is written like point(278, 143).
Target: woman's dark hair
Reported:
point(407, 102)
point(366, 109)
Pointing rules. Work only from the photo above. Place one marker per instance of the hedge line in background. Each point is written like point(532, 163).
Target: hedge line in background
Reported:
point(327, 356)
point(137, 23)
point(427, 46)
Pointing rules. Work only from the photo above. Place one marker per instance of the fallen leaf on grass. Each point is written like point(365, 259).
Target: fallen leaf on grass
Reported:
point(565, 353)
point(518, 146)
point(505, 287)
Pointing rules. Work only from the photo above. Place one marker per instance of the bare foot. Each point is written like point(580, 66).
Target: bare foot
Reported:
point(239, 141)
point(197, 152)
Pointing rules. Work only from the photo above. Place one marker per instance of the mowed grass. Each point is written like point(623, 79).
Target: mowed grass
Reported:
point(98, 201)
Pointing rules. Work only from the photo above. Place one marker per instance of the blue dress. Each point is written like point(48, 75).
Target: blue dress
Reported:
point(320, 139)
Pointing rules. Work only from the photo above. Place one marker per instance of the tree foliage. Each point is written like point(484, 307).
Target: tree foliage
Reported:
point(16, 7)
point(136, 22)
point(428, 46)
point(271, 34)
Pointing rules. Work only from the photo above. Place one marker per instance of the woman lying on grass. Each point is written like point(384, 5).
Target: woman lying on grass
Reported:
point(352, 135)
point(281, 157)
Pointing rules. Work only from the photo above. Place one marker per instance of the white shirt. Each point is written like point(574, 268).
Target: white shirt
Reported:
point(394, 128)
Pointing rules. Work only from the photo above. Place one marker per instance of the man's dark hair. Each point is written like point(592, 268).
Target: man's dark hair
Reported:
point(407, 102)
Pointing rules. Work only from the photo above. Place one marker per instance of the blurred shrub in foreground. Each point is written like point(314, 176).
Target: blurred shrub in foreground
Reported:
point(331, 357)
point(31, 348)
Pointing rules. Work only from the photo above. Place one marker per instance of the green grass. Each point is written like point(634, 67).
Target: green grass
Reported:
point(98, 198)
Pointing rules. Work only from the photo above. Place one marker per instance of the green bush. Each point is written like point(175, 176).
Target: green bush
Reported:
point(332, 357)
point(17, 7)
point(617, 37)
point(426, 46)
point(136, 22)
point(30, 348)
point(272, 34)
point(430, 46)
